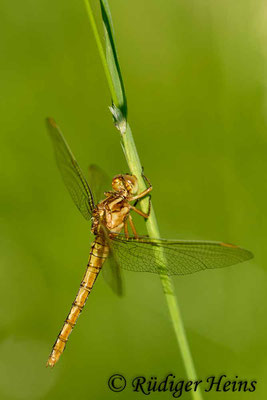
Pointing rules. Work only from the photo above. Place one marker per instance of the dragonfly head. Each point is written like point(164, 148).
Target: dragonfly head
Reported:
point(125, 183)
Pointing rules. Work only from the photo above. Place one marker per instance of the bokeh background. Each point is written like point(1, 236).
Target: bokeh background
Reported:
point(195, 77)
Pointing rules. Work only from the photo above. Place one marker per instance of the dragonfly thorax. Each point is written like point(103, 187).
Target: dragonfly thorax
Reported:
point(110, 213)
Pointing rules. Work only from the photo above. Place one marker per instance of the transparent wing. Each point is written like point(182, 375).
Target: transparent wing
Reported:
point(70, 171)
point(182, 257)
point(112, 275)
point(99, 181)
point(111, 270)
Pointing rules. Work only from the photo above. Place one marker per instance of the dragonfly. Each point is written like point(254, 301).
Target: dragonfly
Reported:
point(112, 215)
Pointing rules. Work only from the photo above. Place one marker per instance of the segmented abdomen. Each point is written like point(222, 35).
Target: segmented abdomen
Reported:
point(98, 254)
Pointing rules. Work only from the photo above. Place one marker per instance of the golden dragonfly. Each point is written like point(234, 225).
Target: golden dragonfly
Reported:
point(131, 252)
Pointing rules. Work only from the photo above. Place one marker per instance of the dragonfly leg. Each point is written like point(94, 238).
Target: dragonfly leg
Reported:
point(140, 212)
point(145, 192)
point(145, 178)
point(140, 195)
point(126, 231)
point(149, 206)
point(149, 186)
point(133, 227)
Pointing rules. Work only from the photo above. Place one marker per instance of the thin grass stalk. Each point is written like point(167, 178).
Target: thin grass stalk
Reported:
point(135, 166)
point(101, 52)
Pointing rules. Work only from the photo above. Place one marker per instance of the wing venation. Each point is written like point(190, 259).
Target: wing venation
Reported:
point(175, 257)
point(70, 171)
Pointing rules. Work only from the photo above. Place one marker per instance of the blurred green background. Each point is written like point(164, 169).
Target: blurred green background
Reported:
point(195, 77)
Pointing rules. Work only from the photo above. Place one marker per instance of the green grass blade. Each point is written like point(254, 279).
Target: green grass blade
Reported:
point(109, 77)
point(119, 111)
point(112, 58)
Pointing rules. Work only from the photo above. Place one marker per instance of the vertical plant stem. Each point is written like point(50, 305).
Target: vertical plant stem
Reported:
point(101, 51)
point(135, 167)
point(133, 161)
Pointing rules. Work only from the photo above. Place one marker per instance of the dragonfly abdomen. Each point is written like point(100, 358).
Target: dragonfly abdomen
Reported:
point(98, 254)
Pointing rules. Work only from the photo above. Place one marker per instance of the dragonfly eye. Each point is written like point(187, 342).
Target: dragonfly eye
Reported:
point(128, 183)
point(118, 183)
point(131, 184)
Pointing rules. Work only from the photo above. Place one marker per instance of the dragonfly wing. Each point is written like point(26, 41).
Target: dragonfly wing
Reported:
point(99, 181)
point(70, 171)
point(111, 269)
point(112, 275)
point(179, 257)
